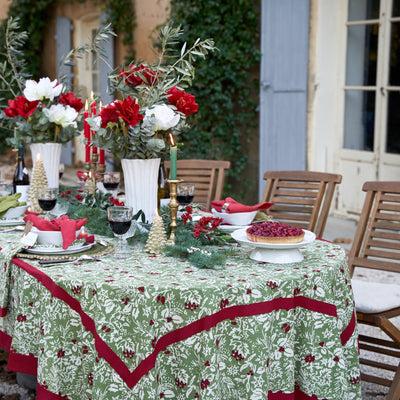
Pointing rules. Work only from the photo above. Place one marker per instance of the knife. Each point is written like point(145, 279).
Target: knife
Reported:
point(57, 261)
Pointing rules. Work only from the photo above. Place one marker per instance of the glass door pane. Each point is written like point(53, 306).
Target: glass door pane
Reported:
point(362, 51)
point(393, 124)
point(394, 66)
point(363, 9)
point(359, 120)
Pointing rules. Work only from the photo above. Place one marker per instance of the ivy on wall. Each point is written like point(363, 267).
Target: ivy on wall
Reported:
point(33, 18)
point(226, 84)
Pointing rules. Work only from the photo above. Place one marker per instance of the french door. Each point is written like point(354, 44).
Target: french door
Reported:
point(370, 147)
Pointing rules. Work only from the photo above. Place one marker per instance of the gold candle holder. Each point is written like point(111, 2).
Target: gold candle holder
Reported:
point(97, 171)
point(173, 206)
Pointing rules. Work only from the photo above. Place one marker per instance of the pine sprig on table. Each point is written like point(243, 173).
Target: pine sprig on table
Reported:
point(198, 242)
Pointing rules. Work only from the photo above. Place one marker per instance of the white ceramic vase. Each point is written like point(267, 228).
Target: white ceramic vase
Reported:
point(50, 153)
point(141, 184)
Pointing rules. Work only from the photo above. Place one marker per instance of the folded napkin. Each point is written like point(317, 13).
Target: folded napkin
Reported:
point(10, 201)
point(232, 206)
point(68, 227)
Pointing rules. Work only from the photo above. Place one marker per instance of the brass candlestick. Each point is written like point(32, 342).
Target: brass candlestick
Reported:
point(173, 206)
point(97, 170)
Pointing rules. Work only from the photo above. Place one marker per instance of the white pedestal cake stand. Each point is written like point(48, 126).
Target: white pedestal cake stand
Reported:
point(274, 253)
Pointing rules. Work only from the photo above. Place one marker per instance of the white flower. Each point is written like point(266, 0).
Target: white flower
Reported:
point(61, 115)
point(162, 116)
point(44, 89)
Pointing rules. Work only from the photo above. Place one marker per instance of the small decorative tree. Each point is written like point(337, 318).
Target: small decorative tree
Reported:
point(39, 180)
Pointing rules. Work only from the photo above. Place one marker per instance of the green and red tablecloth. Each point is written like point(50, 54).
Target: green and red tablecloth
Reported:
point(154, 327)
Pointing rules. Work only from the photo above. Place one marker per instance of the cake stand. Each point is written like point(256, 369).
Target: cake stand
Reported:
point(274, 253)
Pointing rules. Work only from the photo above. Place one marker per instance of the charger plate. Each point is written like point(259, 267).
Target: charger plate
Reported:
point(275, 253)
point(11, 222)
point(96, 250)
point(59, 251)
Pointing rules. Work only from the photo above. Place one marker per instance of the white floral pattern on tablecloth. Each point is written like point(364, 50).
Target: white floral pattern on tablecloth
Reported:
point(129, 306)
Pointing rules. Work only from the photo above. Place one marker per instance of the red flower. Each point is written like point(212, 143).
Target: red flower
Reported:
point(129, 111)
point(78, 197)
point(20, 107)
point(116, 202)
point(184, 102)
point(69, 99)
point(109, 114)
point(138, 75)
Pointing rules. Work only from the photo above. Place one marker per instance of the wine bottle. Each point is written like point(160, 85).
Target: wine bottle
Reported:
point(21, 176)
point(163, 186)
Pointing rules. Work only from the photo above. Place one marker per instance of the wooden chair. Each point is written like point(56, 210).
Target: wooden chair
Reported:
point(302, 198)
point(376, 246)
point(207, 175)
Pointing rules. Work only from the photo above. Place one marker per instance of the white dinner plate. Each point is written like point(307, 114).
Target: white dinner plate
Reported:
point(11, 222)
point(43, 250)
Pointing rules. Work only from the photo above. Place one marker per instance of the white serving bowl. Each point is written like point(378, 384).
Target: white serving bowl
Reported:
point(51, 238)
point(14, 212)
point(239, 219)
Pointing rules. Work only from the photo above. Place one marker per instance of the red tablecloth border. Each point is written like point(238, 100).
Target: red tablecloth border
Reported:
point(132, 378)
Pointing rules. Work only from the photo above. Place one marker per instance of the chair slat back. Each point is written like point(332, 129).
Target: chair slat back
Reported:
point(376, 243)
point(207, 175)
point(302, 198)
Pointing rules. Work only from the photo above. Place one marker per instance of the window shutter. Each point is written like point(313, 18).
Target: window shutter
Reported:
point(63, 44)
point(283, 89)
point(104, 68)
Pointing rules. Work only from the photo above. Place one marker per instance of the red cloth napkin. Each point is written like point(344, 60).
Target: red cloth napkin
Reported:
point(68, 227)
point(234, 207)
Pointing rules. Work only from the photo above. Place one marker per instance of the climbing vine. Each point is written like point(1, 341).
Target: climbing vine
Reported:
point(226, 84)
point(33, 16)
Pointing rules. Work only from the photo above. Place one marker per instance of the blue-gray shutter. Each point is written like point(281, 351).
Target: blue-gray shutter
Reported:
point(283, 89)
point(104, 69)
point(63, 46)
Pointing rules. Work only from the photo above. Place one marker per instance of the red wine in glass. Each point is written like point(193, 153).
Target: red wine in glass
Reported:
point(184, 200)
point(111, 185)
point(120, 227)
point(120, 220)
point(47, 204)
point(47, 199)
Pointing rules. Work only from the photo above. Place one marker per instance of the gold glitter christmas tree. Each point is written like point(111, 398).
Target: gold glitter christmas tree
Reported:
point(39, 180)
point(157, 237)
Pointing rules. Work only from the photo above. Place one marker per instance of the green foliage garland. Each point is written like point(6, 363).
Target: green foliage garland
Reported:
point(225, 87)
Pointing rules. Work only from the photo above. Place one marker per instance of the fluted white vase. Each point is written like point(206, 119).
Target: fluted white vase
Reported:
point(141, 184)
point(50, 153)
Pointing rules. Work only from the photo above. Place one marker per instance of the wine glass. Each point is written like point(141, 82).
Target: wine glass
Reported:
point(185, 193)
point(47, 199)
point(120, 220)
point(61, 171)
point(111, 181)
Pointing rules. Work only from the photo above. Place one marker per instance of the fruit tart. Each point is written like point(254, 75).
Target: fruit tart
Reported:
point(274, 232)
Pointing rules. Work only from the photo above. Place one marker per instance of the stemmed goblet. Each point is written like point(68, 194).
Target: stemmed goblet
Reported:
point(120, 220)
point(185, 193)
point(111, 181)
point(47, 199)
